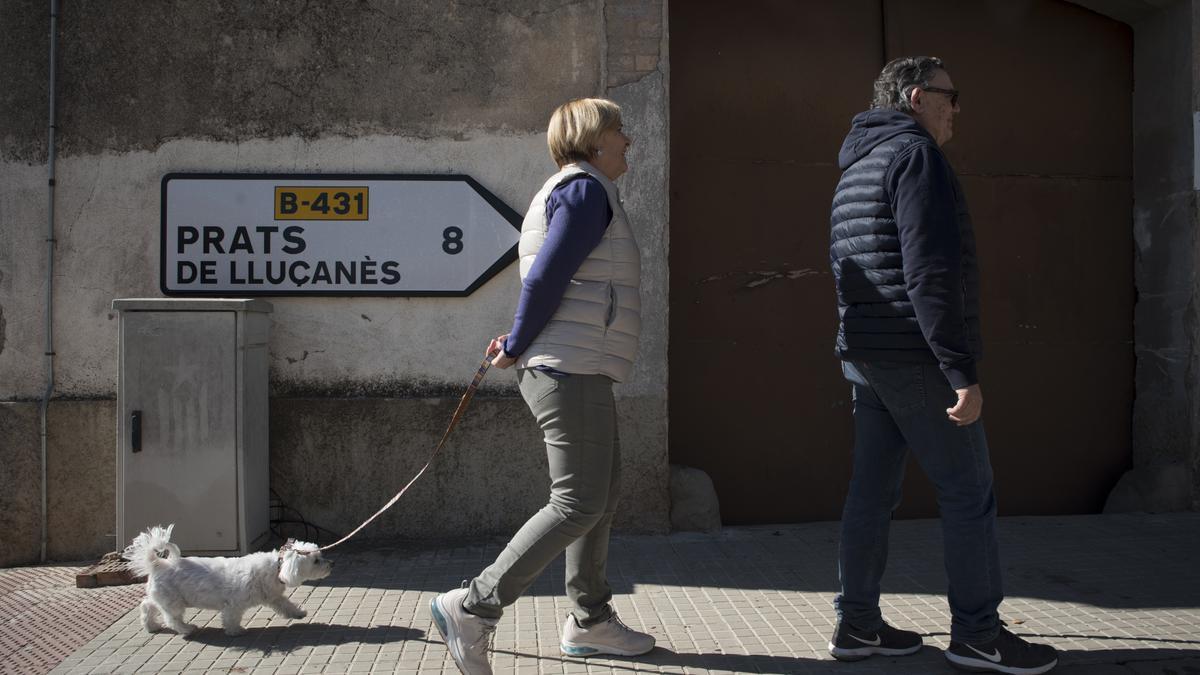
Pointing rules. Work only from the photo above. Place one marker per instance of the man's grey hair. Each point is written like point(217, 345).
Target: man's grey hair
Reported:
point(893, 87)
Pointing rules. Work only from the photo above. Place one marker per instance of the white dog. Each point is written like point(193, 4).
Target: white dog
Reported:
point(230, 585)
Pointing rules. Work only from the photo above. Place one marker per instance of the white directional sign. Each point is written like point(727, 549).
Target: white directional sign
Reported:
point(288, 234)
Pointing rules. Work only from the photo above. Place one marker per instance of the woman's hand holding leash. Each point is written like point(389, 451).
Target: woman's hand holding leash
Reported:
point(495, 352)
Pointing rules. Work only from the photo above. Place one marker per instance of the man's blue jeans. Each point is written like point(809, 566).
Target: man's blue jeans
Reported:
point(898, 407)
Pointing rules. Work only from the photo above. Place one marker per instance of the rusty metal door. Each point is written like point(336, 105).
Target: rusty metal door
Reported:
point(761, 97)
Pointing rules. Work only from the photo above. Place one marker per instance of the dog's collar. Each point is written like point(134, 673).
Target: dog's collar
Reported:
point(279, 568)
point(290, 545)
point(287, 546)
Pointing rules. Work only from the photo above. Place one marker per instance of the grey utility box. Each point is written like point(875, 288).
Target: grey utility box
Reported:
point(192, 422)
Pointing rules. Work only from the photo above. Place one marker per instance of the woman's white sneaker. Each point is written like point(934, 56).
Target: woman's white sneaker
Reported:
point(468, 637)
point(611, 636)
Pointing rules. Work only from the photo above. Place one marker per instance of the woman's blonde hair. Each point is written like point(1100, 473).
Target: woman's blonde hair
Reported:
point(576, 127)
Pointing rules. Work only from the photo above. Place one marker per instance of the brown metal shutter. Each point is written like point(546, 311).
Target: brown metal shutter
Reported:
point(761, 97)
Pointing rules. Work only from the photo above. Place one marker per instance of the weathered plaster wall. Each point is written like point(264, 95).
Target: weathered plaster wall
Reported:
point(358, 384)
point(338, 460)
point(20, 500)
point(135, 75)
point(80, 474)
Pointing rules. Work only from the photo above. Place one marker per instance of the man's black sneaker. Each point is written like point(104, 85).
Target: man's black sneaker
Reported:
point(1005, 653)
point(852, 644)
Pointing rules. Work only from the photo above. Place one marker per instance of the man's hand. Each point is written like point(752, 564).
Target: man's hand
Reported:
point(496, 351)
point(969, 406)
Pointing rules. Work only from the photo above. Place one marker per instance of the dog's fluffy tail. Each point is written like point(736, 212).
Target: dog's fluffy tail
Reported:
point(151, 550)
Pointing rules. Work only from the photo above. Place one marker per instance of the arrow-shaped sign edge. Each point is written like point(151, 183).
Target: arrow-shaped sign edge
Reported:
point(500, 207)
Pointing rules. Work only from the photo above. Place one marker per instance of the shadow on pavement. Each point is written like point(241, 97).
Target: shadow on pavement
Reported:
point(665, 660)
point(1140, 661)
point(928, 660)
point(281, 639)
point(1113, 561)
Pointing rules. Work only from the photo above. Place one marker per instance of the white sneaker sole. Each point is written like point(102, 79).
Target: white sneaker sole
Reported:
point(984, 666)
point(860, 653)
point(584, 650)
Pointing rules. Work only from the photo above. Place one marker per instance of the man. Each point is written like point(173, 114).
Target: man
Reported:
point(903, 255)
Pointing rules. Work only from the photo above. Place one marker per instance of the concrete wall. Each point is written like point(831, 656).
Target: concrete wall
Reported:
point(360, 386)
point(1166, 330)
point(1166, 219)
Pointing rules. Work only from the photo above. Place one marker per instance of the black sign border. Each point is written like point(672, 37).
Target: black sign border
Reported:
point(503, 209)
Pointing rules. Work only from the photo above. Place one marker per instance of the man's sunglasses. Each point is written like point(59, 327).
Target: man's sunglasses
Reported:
point(952, 93)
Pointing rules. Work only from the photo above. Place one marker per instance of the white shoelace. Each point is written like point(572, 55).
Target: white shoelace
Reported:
point(620, 624)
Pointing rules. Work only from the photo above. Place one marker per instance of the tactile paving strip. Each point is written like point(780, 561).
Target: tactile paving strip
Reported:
point(34, 638)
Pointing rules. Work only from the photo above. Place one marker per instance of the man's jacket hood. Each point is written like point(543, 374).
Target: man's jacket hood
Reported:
point(869, 129)
point(902, 250)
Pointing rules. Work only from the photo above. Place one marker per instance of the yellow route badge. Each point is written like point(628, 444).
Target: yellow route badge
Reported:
point(321, 203)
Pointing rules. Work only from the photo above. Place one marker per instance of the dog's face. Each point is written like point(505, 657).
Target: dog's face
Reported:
point(303, 562)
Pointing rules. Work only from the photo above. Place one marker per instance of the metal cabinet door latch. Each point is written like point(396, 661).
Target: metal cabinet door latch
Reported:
point(135, 430)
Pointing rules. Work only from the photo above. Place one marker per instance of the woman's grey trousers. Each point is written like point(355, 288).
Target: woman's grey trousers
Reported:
point(579, 421)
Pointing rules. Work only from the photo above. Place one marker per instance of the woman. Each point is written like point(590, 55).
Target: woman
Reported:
point(575, 333)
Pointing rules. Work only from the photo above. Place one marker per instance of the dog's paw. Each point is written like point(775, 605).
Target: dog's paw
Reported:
point(186, 629)
point(298, 614)
point(234, 631)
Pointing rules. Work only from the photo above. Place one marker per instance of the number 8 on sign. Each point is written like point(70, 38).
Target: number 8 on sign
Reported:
point(452, 241)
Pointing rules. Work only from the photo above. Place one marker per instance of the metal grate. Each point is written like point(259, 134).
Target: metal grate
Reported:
point(34, 637)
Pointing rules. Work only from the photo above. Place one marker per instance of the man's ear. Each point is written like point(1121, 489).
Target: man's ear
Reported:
point(916, 99)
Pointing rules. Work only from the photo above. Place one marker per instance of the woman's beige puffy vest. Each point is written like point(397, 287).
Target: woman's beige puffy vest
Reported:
point(595, 329)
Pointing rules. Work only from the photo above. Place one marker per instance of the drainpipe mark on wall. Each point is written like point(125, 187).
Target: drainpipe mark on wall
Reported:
point(304, 355)
point(1, 329)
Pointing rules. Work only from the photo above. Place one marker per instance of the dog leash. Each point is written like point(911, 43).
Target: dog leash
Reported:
point(458, 413)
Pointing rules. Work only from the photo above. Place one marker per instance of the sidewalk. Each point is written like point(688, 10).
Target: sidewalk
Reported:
point(1115, 594)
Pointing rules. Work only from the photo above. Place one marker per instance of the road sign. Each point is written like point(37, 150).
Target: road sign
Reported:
point(317, 234)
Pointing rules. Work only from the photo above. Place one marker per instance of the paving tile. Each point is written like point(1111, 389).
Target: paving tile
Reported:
point(1116, 594)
